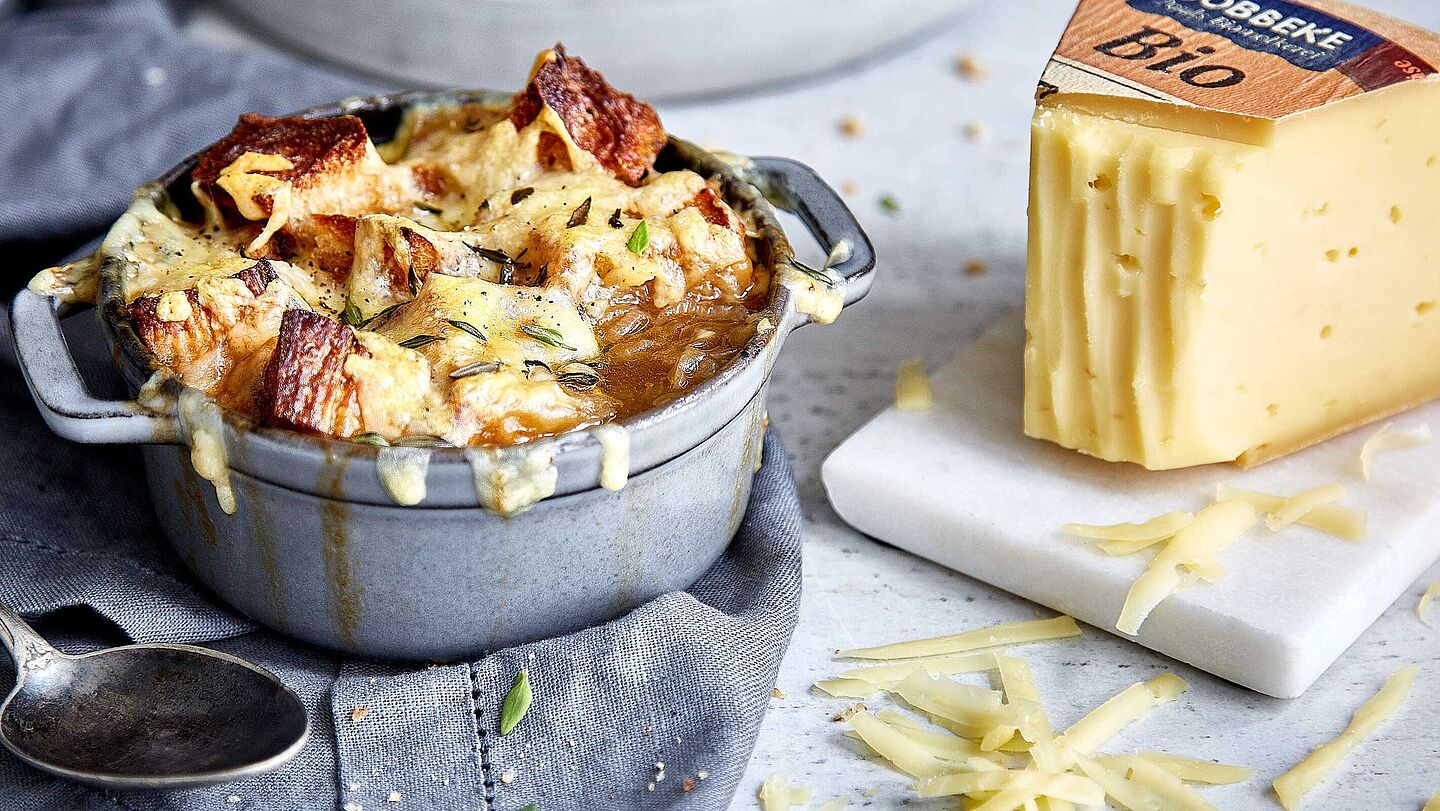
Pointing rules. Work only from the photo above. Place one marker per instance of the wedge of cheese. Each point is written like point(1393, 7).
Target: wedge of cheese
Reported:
point(1234, 249)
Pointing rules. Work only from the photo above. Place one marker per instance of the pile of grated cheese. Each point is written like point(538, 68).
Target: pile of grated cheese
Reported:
point(995, 748)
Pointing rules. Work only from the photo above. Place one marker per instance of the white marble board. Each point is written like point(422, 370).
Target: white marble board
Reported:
point(962, 485)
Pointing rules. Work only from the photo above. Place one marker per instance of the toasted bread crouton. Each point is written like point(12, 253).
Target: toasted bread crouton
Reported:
point(323, 376)
point(623, 133)
point(305, 385)
point(199, 332)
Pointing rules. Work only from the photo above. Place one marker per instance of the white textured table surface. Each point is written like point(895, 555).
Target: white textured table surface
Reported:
point(961, 201)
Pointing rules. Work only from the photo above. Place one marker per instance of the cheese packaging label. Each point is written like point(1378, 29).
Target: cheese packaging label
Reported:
point(1266, 59)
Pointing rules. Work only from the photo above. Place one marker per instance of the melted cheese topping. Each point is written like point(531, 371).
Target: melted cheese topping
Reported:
point(402, 471)
point(73, 283)
point(509, 485)
point(1292, 785)
point(205, 432)
point(259, 196)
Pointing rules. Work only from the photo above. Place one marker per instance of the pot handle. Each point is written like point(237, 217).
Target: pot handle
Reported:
point(796, 188)
point(55, 383)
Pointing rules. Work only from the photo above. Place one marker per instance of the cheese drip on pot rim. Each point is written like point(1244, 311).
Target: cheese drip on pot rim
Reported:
point(204, 428)
point(402, 470)
point(614, 455)
point(510, 485)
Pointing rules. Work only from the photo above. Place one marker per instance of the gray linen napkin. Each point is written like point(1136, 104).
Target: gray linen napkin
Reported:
point(97, 97)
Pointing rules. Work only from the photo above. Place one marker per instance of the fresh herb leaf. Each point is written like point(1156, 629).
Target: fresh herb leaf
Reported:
point(542, 274)
point(414, 283)
point(640, 240)
point(581, 215)
point(479, 367)
point(467, 328)
point(531, 807)
point(889, 204)
point(519, 195)
point(370, 438)
point(517, 703)
point(423, 206)
point(818, 275)
point(615, 220)
point(577, 377)
point(417, 341)
point(351, 314)
point(546, 335)
point(421, 441)
point(382, 315)
point(493, 255)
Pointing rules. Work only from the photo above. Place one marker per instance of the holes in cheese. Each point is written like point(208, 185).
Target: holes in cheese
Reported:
point(1422, 608)
point(1292, 785)
point(1346, 523)
point(1010, 633)
point(1215, 528)
point(777, 794)
point(912, 387)
point(1388, 440)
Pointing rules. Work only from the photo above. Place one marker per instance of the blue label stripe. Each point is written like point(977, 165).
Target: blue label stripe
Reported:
point(1233, 23)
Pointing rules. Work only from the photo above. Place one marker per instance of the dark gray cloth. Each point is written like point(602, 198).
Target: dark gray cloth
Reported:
point(97, 97)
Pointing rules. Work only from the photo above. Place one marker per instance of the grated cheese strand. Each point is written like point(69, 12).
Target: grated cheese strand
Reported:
point(1194, 770)
point(1093, 731)
point(1433, 804)
point(906, 754)
point(1156, 529)
point(1010, 633)
point(1013, 787)
point(1346, 523)
point(1215, 528)
point(1388, 440)
point(1292, 785)
point(1128, 793)
point(1174, 795)
point(912, 387)
point(1422, 608)
point(887, 675)
point(1302, 503)
point(847, 688)
point(777, 794)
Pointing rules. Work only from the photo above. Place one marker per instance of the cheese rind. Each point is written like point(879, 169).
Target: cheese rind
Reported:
point(1195, 298)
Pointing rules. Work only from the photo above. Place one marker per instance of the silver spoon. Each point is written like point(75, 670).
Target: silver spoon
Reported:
point(145, 716)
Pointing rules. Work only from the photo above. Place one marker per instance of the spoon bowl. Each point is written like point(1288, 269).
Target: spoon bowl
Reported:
point(146, 716)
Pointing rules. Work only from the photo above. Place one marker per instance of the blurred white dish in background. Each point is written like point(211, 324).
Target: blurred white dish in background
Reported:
point(656, 49)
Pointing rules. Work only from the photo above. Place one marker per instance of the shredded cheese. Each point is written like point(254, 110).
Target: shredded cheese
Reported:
point(1292, 785)
point(1346, 523)
point(912, 387)
point(1215, 528)
point(1422, 608)
point(1433, 804)
point(846, 688)
point(907, 754)
point(1013, 787)
point(1093, 731)
point(1388, 440)
point(777, 794)
point(837, 804)
point(1011, 633)
point(1193, 770)
point(1148, 532)
point(886, 675)
point(1123, 790)
point(1173, 794)
point(1302, 503)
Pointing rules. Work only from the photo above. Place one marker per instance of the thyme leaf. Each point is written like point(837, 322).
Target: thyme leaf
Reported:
point(615, 220)
point(421, 441)
point(542, 274)
point(382, 315)
point(417, 341)
point(467, 328)
point(414, 282)
point(479, 367)
point(519, 195)
point(546, 335)
point(517, 703)
point(351, 314)
point(889, 204)
point(640, 240)
point(499, 257)
point(370, 438)
point(818, 276)
point(423, 206)
point(581, 215)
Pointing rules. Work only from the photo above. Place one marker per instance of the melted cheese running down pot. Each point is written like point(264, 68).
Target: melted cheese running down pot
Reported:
point(491, 276)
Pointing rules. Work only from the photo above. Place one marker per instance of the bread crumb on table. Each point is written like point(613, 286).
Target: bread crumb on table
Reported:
point(851, 126)
point(971, 67)
point(976, 267)
point(358, 714)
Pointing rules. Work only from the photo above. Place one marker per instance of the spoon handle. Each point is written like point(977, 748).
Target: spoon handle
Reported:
point(30, 650)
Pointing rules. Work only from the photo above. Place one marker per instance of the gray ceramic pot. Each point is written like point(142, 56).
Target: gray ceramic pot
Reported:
point(318, 550)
